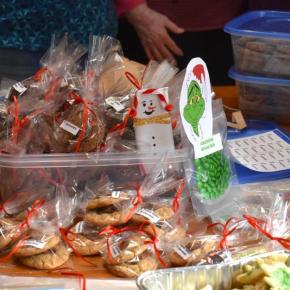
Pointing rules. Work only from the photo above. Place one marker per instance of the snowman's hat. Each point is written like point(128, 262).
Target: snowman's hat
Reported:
point(168, 107)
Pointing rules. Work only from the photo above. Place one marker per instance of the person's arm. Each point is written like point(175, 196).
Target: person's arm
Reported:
point(152, 29)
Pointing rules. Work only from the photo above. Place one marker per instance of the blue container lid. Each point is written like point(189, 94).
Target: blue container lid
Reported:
point(257, 80)
point(254, 127)
point(265, 23)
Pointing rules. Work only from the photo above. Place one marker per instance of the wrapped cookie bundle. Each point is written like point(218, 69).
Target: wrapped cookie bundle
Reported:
point(257, 221)
point(34, 102)
point(130, 252)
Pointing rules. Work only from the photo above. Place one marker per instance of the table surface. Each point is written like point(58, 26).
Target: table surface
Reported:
point(229, 96)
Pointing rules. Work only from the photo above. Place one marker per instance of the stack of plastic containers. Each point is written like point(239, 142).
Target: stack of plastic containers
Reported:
point(261, 44)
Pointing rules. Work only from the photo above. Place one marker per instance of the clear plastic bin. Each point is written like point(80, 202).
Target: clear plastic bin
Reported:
point(263, 98)
point(39, 173)
point(261, 43)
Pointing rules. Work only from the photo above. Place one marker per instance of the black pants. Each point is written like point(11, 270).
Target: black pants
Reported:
point(213, 46)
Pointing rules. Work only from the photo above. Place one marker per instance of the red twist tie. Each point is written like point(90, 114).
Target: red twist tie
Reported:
point(256, 223)
point(16, 124)
point(64, 234)
point(114, 231)
point(80, 276)
point(175, 203)
point(52, 89)
point(136, 201)
point(226, 232)
point(38, 75)
point(30, 213)
point(133, 80)
point(84, 124)
point(154, 241)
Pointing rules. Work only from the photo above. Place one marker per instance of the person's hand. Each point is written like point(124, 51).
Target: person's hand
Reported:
point(152, 29)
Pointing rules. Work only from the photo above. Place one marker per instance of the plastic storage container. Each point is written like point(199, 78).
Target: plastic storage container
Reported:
point(263, 98)
point(43, 173)
point(261, 43)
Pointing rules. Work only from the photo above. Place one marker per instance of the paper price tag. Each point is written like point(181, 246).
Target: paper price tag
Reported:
point(111, 101)
point(19, 87)
point(115, 250)
point(69, 127)
point(148, 214)
point(183, 252)
point(208, 146)
point(116, 193)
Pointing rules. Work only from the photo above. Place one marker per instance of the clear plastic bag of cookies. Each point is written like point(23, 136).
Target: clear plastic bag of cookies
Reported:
point(102, 193)
point(190, 251)
point(34, 102)
point(45, 245)
point(79, 128)
point(85, 239)
point(130, 253)
point(107, 204)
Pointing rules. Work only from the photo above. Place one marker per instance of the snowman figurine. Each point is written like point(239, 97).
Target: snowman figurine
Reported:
point(152, 122)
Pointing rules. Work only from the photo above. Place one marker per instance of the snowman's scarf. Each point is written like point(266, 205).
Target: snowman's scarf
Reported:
point(162, 119)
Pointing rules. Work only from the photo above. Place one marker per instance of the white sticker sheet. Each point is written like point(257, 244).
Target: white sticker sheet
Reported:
point(266, 152)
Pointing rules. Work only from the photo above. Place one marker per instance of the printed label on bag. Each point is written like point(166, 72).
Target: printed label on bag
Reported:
point(208, 146)
point(115, 250)
point(111, 101)
point(79, 227)
point(148, 214)
point(183, 252)
point(116, 193)
point(34, 244)
point(69, 127)
point(19, 87)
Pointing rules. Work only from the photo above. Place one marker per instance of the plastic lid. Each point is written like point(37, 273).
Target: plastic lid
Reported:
point(274, 24)
point(257, 80)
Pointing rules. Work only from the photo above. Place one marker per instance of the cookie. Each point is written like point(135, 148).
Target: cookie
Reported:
point(51, 259)
point(104, 201)
point(33, 247)
point(163, 213)
point(8, 230)
point(191, 253)
point(133, 270)
point(168, 234)
point(103, 219)
point(129, 249)
point(87, 247)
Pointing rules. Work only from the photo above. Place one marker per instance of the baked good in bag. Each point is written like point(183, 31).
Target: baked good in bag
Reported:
point(192, 252)
point(85, 239)
point(134, 268)
point(129, 247)
point(48, 260)
point(8, 231)
point(86, 246)
point(154, 211)
point(109, 216)
point(70, 125)
point(38, 243)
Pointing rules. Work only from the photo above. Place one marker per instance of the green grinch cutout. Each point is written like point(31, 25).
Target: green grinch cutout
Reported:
point(195, 107)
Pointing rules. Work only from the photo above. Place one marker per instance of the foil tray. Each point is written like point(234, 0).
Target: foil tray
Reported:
point(197, 277)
